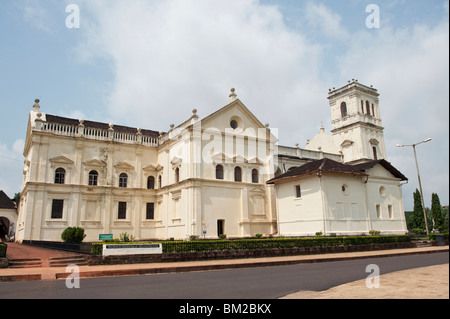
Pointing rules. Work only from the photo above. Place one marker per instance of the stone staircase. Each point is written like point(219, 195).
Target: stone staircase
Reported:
point(423, 243)
point(69, 260)
point(25, 263)
point(51, 262)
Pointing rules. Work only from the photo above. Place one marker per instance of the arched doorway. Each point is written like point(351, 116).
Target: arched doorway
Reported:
point(4, 228)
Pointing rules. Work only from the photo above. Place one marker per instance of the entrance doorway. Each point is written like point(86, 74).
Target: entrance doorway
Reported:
point(220, 227)
point(4, 228)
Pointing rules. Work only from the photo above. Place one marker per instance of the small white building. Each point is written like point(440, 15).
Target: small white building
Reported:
point(206, 177)
point(8, 217)
point(334, 198)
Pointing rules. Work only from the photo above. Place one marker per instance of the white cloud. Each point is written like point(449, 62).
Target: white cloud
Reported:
point(326, 21)
point(171, 56)
point(11, 162)
point(409, 67)
point(35, 14)
point(174, 55)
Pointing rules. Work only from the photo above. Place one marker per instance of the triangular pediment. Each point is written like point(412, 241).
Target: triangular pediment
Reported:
point(221, 158)
point(94, 163)
point(123, 166)
point(149, 168)
point(61, 160)
point(255, 160)
point(247, 123)
point(176, 161)
point(239, 159)
point(346, 143)
point(257, 191)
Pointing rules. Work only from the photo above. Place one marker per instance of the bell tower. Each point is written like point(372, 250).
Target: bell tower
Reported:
point(356, 122)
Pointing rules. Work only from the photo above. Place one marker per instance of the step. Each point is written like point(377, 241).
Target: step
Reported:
point(69, 260)
point(424, 244)
point(25, 263)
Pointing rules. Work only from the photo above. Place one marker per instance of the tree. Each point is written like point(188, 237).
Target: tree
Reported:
point(445, 217)
point(436, 212)
point(419, 221)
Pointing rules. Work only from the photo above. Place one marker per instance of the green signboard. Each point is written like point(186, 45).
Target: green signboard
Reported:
point(105, 237)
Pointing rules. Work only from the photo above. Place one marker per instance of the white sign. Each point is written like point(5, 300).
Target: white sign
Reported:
point(131, 249)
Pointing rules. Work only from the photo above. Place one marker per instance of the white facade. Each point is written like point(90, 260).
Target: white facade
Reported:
point(202, 178)
point(340, 203)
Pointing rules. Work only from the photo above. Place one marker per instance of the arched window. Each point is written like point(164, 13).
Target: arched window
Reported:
point(60, 175)
point(159, 181)
point(237, 174)
point(177, 175)
point(150, 182)
point(343, 109)
point(219, 172)
point(373, 110)
point(367, 107)
point(362, 106)
point(93, 178)
point(123, 180)
point(255, 176)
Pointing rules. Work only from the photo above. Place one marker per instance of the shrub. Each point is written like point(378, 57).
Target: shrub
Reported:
point(222, 236)
point(124, 237)
point(97, 249)
point(374, 232)
point(73, 235)
point(433, 235)
point(258, 235)
point(319, 233)
point(277, 243)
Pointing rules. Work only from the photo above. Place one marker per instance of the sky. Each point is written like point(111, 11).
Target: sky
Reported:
point(148, 63)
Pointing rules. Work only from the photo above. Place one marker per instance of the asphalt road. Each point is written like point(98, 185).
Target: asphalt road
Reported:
point(249, 283)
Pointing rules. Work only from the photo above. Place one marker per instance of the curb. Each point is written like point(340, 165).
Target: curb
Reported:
point(208, 267)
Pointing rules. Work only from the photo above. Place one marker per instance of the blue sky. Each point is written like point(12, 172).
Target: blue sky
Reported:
point(147, 63)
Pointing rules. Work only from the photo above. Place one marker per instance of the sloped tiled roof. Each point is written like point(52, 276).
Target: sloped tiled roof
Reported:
point(388, 166)
point(6, 202)
point(329, 166)
point(325, 165)
point(118, 128)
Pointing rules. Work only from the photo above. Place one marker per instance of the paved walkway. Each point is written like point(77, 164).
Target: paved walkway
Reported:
point(18, 251)
point(419, 283)
point(52, 273)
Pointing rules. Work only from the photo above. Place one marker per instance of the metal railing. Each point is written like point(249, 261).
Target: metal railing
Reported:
point(82, 248)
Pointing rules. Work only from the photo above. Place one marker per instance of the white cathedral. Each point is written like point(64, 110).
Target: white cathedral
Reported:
point(223, 174)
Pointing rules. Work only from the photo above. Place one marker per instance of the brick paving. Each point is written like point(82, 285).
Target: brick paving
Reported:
point(19, 251)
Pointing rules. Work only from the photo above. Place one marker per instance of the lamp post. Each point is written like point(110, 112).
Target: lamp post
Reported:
point(420, 184)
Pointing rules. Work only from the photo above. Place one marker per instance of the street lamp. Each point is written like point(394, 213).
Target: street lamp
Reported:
point(420, 184)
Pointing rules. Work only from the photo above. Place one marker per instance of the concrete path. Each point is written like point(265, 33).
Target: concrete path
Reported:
point(419, 283)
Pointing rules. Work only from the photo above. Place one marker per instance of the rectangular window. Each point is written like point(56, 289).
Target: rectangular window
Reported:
point(57, 208)
point(378, 207)
point(150, 211)
point(391, 212)
point(374, 151)
point(298, 191)
point(122, 210)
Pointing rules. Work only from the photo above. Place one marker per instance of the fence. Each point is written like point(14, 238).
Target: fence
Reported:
point(237, 244)
point(82, 248)
point(279, 243)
